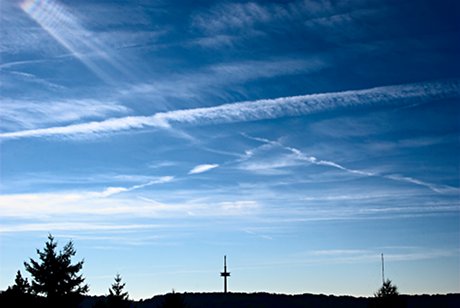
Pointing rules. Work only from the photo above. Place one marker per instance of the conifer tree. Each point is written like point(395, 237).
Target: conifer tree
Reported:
point(387, 296)
point(387, 290)
point(21, 285)
point(53, 274)
point(116, 291)
point(117, 298)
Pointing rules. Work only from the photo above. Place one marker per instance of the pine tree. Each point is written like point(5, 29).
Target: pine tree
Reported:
point(388, 297)
point(21, 285)
point(387, 290)
point(19, 295)
point(117, 298)
point(116, 290)
point(54, 275)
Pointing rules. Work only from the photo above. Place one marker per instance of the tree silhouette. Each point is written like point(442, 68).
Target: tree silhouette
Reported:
point(116, 298)
point(21, 286)
point(173, 300)
point(54, 275)
point(387, 290)
point(19, 295)
point(387, 296)
point(116, 291)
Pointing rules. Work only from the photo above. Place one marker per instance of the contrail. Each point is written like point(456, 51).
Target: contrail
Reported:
point(400, 95)
point(315, 161)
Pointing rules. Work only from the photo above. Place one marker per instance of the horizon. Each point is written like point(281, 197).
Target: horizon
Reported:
point(301, 139)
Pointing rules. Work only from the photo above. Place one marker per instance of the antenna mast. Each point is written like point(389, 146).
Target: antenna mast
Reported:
point(225, 274)
point(383, 270)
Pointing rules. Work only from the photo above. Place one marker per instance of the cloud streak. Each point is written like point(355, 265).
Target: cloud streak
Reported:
point(29, 114)
point(116, 190)
point(77, 226)
point(400, 95)
point(86, 207)
point(202, 168)
point(96, 202)
point(244, 17)
point(299, 155)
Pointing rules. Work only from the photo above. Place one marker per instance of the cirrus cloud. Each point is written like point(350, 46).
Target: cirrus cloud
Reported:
point(202, 168)
point(291, 106)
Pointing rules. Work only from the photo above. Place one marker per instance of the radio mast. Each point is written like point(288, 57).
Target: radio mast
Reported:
point(383, 270)
point(225, 274)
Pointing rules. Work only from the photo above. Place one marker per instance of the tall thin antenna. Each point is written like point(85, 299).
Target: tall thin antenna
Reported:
point(383, 271)
point(225, 274)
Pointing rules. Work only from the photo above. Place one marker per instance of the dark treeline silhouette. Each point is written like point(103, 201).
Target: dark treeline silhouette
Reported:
point(56, 282)
point(117, 298)
point(388, 296)
point(173, 300)
point(265, 300)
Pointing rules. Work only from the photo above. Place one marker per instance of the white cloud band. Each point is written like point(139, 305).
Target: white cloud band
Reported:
point(202, 168)
point(259, 110)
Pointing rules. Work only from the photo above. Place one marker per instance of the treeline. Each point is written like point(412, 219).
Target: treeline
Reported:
point(56, 282)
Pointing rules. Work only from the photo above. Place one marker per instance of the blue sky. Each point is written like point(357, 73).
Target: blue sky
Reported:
point(300, 138)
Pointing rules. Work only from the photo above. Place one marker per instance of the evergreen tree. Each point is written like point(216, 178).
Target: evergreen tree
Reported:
point(387, 290)
point(117, 298)
point(388, 297)
point(19, 295)
point(21, 285)
point(116, 291)
point(54, 275)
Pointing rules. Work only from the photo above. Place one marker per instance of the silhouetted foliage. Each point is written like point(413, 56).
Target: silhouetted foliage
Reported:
point(387, 290)
point(387, 296)
point(54, 275)
point(18, 295)
point(174, 300)
point(116, 291)
point(21, 286)
point(116, 298)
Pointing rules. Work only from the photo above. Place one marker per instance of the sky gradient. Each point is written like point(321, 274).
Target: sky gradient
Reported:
point(300, 138)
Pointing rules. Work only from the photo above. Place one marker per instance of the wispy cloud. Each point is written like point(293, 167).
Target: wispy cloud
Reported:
point(216, 79)
point(216, 41)
point(109, 207)
point(83, 207)
point(249, 70)
point(77, 206)
point(394, 254)
point(239, 205)
point(251, 18)
point(116, 190)
point(91, 128)
point(30, 114)
point(231, 16)
point(348, 197)
point(68, 226)
point(433, 187)
point(300, 156)
point(355, 256)
point(202, 168)
point(68, 202)
point(18, 76)
point(260, 109)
